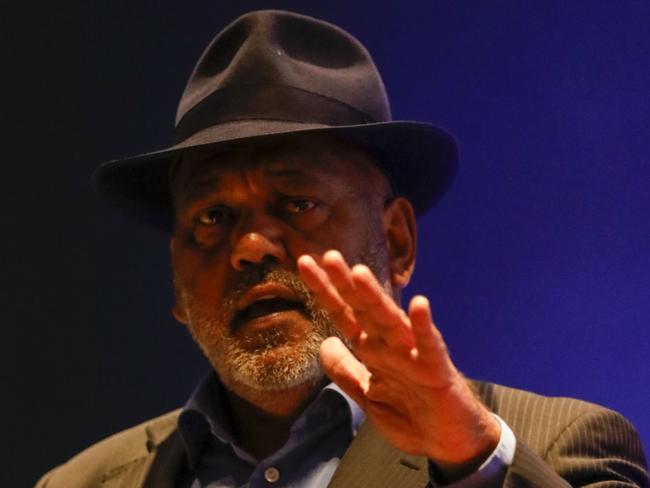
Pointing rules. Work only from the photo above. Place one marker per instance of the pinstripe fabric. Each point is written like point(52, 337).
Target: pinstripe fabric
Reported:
point(560, 442)
point(371, 462)
point(144, 456)
point(586, 444)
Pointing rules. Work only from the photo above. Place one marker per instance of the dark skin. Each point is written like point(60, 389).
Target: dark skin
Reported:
point(313, 209)
point(260, 187)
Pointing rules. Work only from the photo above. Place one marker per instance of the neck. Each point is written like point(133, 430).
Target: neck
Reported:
point(263, 419)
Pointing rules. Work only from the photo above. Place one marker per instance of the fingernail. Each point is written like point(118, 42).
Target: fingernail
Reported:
point(360, 269)
point(332, 255)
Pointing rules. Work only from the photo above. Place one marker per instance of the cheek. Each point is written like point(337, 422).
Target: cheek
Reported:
point(200, 275)
point(352, 230)
point(303, 243)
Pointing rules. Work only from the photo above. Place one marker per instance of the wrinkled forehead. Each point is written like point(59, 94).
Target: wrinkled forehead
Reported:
point(308, 162)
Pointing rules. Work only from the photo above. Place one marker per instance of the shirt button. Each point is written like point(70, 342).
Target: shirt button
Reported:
point(271, 474)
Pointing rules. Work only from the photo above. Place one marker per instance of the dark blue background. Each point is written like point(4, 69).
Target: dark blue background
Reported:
point(536, 262)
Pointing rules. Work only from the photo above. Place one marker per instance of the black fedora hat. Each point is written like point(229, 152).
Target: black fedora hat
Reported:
point(271, 76)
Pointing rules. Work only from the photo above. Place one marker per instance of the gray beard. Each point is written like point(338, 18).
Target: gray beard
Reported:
point(265, 360)
point(268, 360)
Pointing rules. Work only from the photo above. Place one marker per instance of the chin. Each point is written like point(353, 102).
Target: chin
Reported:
point(277, 368)
point(276, 353)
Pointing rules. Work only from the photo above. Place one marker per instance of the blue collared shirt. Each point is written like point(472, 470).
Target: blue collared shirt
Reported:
point(316, 444)
point(317, 441)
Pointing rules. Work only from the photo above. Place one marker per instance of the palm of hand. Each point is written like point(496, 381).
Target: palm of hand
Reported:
point(397, 367)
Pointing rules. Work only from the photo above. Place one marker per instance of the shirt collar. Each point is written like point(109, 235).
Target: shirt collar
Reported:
point(356, 414)
point(206, 412)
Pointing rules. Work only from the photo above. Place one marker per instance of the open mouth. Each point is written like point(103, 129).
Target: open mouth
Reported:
point(268, 306)
point(265, 300)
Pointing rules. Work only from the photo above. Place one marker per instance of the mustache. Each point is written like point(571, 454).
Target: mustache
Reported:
point(262, 274)
point(258, 275)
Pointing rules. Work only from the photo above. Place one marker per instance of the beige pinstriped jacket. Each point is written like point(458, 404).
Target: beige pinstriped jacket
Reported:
point(560, 442)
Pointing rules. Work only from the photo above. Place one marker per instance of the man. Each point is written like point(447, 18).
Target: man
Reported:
point(290, 197)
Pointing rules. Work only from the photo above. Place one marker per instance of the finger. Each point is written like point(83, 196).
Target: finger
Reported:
point(376, 312)
point(344, 369)
point(429, 343)
point(389, 318)
point(422, 325)
point(327, 296)
point(339, 273)
point(341, 277)
point(379, 314)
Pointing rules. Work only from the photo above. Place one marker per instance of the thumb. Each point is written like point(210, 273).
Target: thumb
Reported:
point(344, 369)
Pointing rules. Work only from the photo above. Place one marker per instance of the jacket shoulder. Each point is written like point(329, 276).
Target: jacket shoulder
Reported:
point(577, 440)
point(100, 461)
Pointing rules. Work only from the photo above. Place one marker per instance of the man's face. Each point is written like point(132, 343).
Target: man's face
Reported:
point(242, 220)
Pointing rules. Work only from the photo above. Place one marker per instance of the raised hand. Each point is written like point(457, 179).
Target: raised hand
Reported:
point(397, 368)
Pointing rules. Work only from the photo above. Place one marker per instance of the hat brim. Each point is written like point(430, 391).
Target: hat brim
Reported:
point(420, 161)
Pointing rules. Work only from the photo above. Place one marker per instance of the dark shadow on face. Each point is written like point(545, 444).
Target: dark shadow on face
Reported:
point(243, 218)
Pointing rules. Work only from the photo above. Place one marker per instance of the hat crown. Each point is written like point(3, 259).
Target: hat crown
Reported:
point(280, 50)
point(275, 77)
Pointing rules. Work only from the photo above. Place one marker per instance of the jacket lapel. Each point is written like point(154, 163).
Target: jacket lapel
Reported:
point(130, 475)
point(157, 466)
point(371, 462)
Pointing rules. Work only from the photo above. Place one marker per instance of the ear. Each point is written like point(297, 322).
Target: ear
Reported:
point(179, 314)
point(177, 310)
point(401, 234)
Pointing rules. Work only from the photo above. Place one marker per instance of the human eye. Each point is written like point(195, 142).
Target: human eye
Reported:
point(299, 205)
point(214, 216)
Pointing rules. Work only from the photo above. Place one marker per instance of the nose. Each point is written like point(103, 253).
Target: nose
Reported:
point(258, 244)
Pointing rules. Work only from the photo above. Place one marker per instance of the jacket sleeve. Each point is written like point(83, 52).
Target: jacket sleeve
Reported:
point(598, 449)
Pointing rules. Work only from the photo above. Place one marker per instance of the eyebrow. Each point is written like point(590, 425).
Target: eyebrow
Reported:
point(208, 182)
point(297, 176)
point(197, 189)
